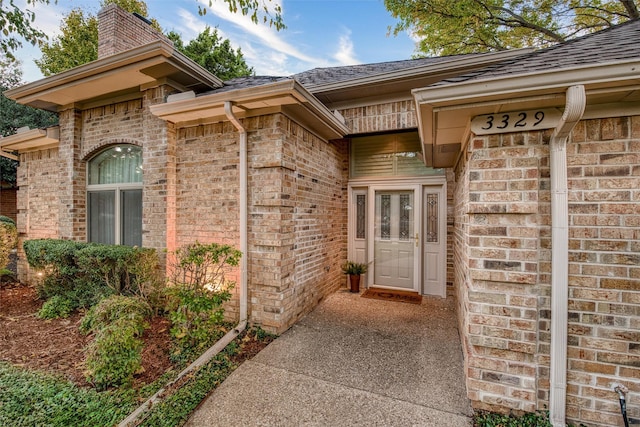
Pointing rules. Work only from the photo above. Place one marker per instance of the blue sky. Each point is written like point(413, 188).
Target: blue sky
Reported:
point(320, 33)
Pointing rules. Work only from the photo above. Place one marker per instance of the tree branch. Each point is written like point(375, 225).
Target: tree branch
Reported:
point(521, 22)
point(632, 9)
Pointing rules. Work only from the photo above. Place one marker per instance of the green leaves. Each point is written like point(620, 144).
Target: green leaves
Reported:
point(15, 21)
point(215, 55)
point(32, 399)
point(197, 290)
point(445, 27)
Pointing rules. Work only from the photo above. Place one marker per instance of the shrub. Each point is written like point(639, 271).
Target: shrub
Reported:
point(114, 309)
point(8, 240)
point(85, 273)
point(125, 270)
point(55, 259)
point(7, 220)
point(197, 291)
point(56, 306)
point(115, 355)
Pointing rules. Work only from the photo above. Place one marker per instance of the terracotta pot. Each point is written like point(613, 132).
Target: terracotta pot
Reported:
point(354, 279)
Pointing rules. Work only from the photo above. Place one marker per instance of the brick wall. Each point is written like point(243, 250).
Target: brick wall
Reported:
point(381, 117)
point(297, 210)
point(119, 31)
point(503, 263)
point(8, 205)
point(39, 176)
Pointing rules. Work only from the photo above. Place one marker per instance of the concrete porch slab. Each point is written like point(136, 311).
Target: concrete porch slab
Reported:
point(352, 361)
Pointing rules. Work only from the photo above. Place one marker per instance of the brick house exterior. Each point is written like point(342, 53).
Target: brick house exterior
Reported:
point(488, 188)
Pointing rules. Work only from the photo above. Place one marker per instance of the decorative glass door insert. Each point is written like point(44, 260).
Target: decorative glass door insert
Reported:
point(394, 239)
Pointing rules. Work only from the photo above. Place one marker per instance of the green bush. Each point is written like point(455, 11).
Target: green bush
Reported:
point(115, 354)
point(114, 309)
point(125, 270)
point(85, 273)
point(55, 260)
point(8, 240)
point(7, 220)
point(56, 306)
point(197, 290)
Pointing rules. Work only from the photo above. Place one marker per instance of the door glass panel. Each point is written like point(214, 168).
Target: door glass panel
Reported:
point(102, 217)
point(361, 216)
point(432, 217)
point(131, 217)
point(394, 239)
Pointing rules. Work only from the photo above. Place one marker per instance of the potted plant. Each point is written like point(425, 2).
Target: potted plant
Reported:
point(354, 270)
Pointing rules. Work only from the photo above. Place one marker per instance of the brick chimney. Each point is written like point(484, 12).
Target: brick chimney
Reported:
point(119, 31)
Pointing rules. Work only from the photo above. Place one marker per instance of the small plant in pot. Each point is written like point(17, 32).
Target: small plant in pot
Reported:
point(354, 270)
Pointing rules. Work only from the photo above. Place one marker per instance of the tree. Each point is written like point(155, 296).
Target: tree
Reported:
point(214, 54)
point(446, 27)
point(14, 21)
point(78, 44)
point(15, 116)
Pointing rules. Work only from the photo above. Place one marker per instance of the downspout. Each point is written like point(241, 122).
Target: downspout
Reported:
point(574, 109)
point(220, 345)
point(244, 244)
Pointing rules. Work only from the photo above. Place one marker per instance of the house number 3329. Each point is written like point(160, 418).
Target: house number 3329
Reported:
point(515, 121)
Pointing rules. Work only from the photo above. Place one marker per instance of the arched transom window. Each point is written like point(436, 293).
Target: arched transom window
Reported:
point(114, 196)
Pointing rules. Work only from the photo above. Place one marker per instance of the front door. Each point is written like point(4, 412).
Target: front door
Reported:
point(395, 239)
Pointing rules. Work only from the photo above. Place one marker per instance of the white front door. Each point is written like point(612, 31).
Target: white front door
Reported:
point(395, 238)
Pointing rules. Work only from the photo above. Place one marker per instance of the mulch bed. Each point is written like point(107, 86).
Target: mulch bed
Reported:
point(56, 345)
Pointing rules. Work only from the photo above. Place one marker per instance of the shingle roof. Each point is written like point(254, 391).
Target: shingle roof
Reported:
point(613, 44)
point(328, 75)
point(320, 76)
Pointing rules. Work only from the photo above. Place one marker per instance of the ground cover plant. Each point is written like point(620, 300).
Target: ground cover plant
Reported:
point(104, 358)
point(492, 419)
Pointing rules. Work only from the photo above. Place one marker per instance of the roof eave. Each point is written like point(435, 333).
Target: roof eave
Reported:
point(28, 140)
point(460, 102)
point(286, 96)
point(139, 61)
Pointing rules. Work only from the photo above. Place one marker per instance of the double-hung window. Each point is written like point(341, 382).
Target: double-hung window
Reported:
point(114, 196)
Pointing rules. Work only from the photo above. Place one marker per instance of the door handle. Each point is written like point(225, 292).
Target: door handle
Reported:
point(417, 240)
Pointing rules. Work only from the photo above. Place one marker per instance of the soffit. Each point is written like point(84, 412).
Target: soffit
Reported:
point(288, 97)
point(116, 74)
point(445, 112)
point(25, 140)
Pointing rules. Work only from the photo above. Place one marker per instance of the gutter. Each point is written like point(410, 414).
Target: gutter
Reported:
point(573, 112)
point(133, 418)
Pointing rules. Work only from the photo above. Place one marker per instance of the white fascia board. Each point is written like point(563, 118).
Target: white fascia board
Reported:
point(108, 64)
point(278, 91)
point(544, 81)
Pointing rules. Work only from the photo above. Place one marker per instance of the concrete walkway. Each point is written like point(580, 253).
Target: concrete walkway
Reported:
point(351, 362)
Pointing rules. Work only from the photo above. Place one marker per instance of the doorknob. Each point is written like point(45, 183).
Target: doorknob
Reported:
point(417, 239)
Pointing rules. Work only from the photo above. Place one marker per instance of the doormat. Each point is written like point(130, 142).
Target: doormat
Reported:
point(389, 295)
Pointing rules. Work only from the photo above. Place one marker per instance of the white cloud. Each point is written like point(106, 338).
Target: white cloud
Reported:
point(189, 25)
point(345, 54)
point(264, 35)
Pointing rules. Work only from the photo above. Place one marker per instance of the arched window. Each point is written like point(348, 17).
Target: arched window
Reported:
point(114, 196)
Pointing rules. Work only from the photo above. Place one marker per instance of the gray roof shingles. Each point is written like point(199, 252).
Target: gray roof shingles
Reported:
point(613, 44)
